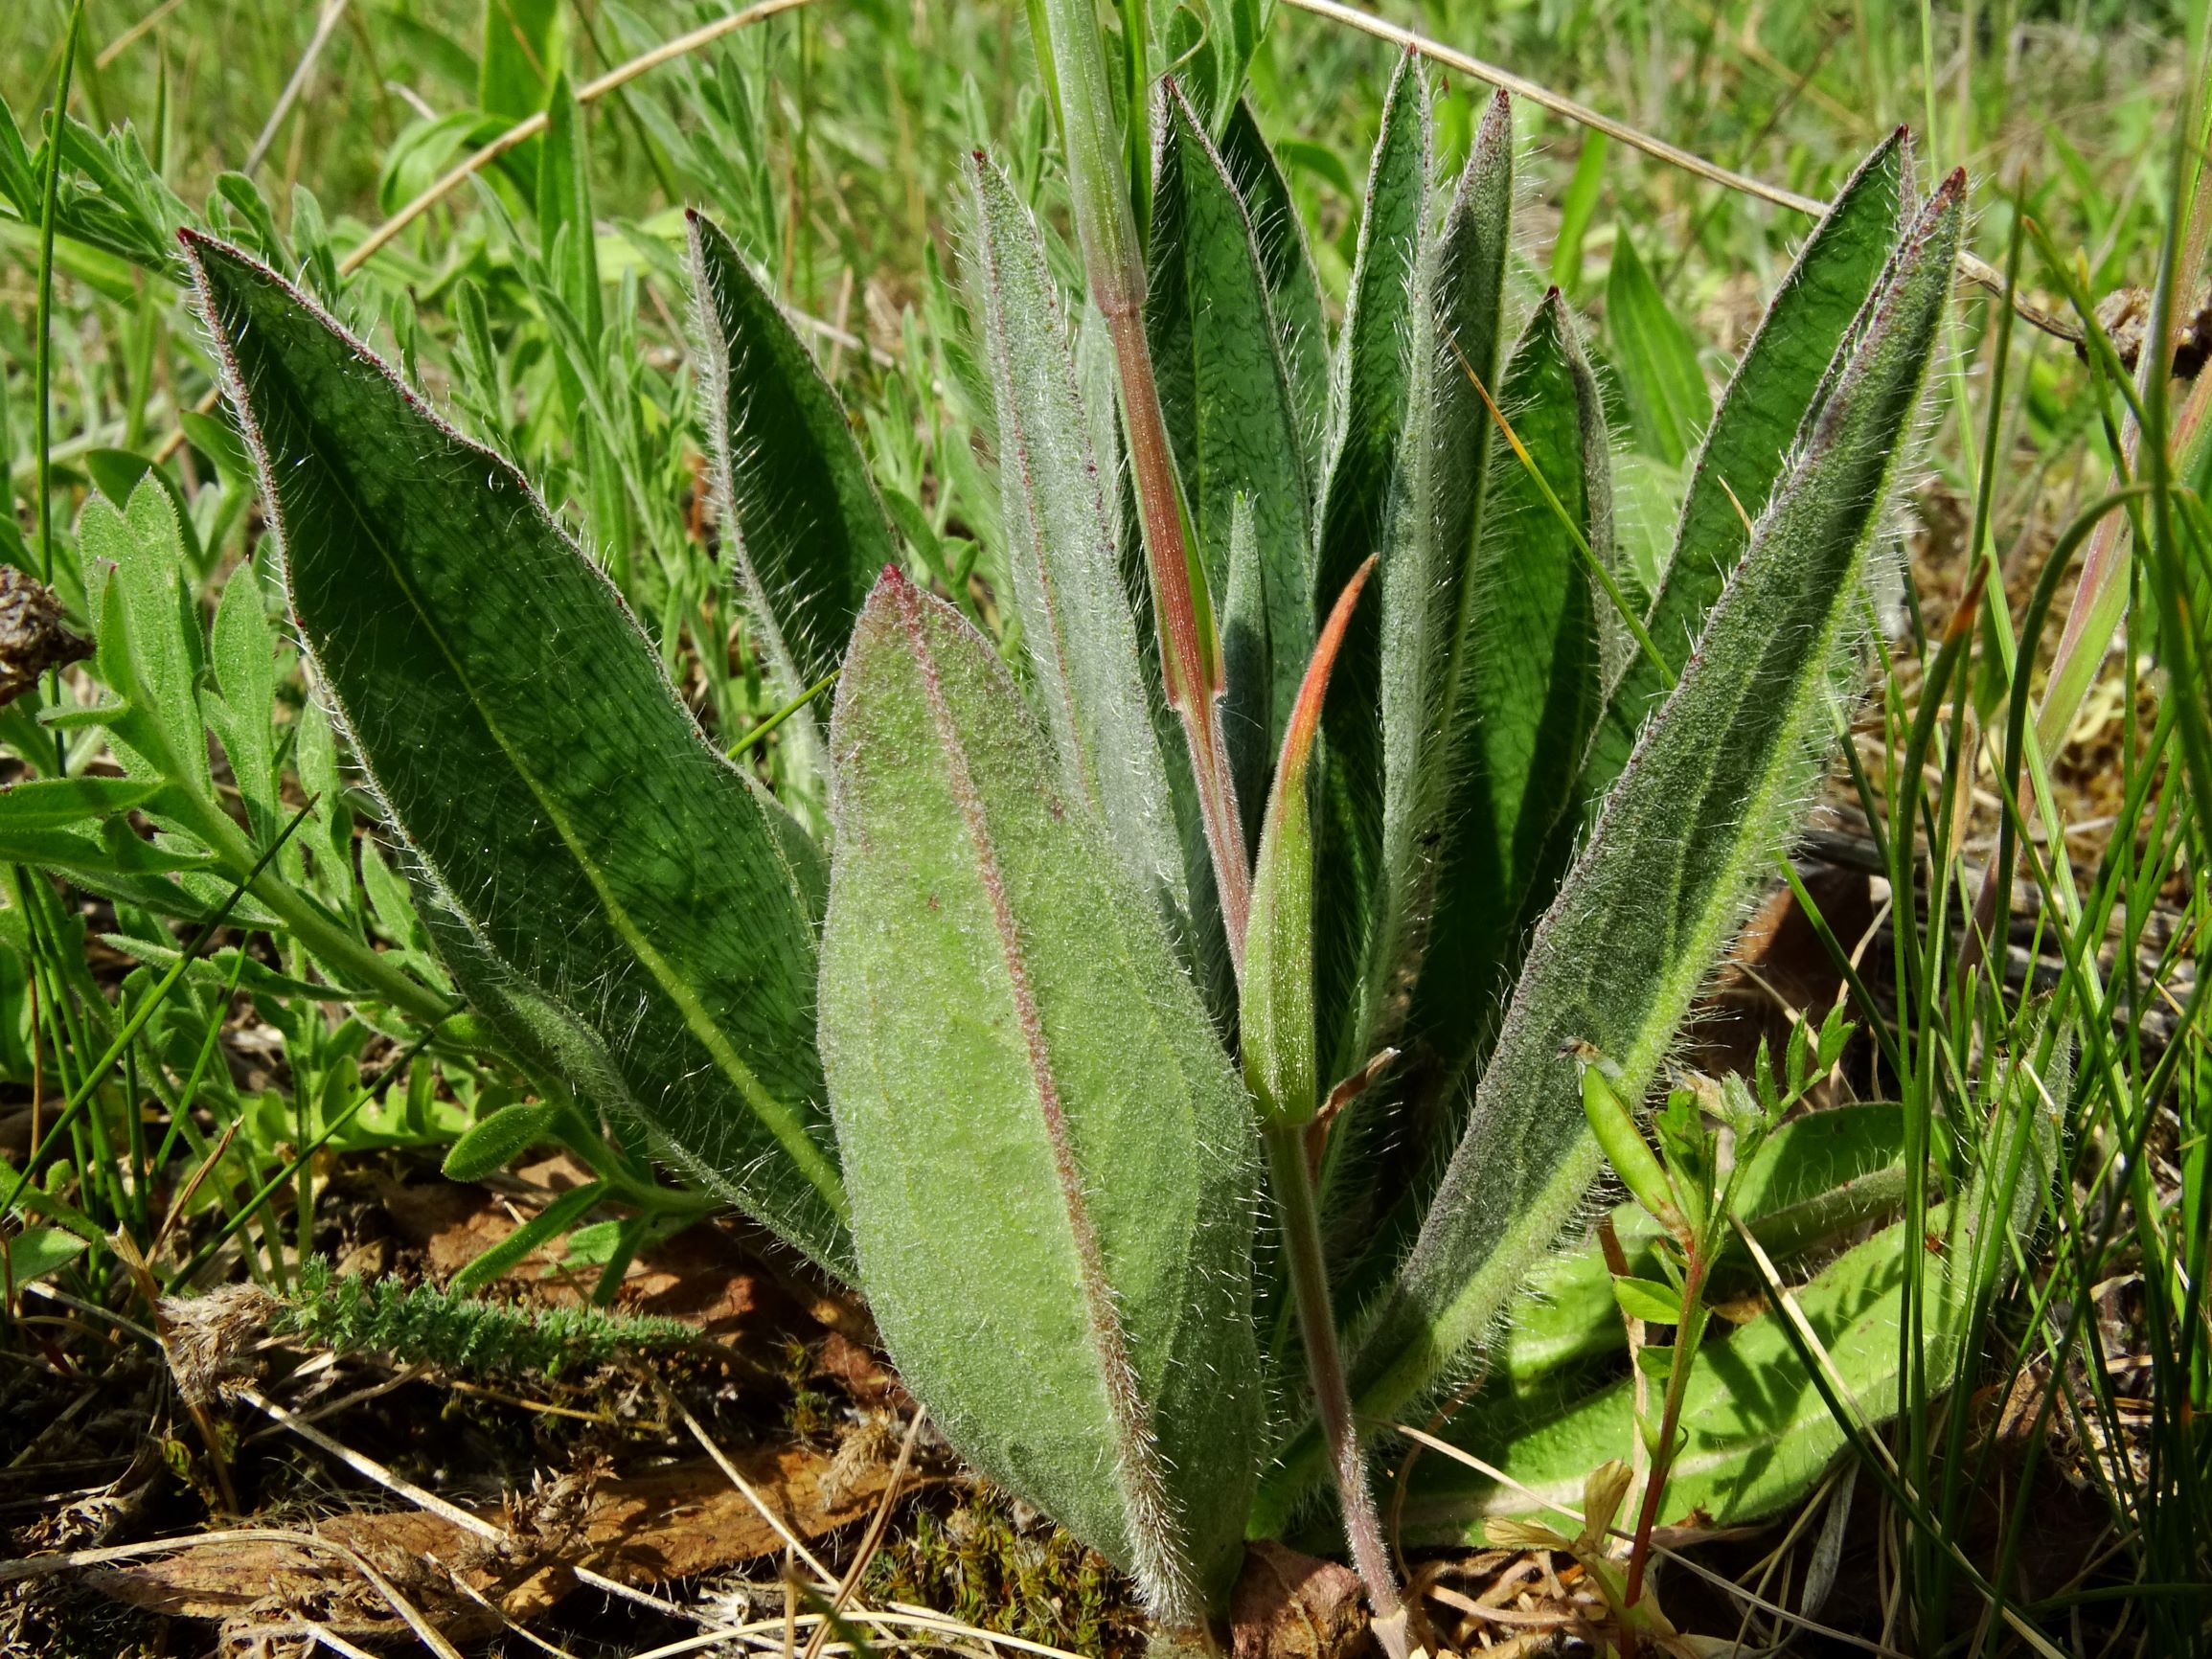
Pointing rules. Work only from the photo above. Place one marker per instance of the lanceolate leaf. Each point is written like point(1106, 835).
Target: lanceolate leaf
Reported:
point(1431, 588)
point(605, 887)
point(1524, 686)
point(1224, 388)
point(1701, 809)
point(805, 531)
point(1067, 587)
point(1050, 1159)
point(1749, 440)
point(1377, 356)
point(1293, 288)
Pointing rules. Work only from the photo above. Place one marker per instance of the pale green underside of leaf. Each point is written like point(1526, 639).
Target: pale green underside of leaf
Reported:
point(1050, 1158)
point(1075, 615)
point(804, 530)
point(605, 887)
point(1705, 802)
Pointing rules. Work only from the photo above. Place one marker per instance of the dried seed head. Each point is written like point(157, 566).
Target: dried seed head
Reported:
point(210, 1339)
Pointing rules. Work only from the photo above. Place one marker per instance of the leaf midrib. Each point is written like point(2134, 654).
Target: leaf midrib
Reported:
point(1118, 1376)
point(772, 1111)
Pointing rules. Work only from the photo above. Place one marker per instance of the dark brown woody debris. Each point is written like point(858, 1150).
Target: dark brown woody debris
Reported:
point(33, 635)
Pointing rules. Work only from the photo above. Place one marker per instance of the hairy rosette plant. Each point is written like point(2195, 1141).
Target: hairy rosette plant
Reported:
point(1000, 1019)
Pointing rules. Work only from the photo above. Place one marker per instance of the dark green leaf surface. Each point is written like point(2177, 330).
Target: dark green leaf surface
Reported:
point(1526, 691)
point(805, 531)
point(1430, 581)
point(1759, 417)
point(1050, 1158)
point(605, 886)
point(1702, 808)
point(1378, 351)
point(1224, 388)
point(1293, 289)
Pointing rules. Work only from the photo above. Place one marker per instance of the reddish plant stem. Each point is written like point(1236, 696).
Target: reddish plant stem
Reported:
point(1190, 658)
point(1686, 1336)
point(1299, 1218)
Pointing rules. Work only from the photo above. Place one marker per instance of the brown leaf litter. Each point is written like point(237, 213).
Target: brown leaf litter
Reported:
point(668, 1524)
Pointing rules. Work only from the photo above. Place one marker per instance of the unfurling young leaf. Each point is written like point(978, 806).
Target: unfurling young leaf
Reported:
point(608, 891)
point(1050, 1159)
point(1277, 1027)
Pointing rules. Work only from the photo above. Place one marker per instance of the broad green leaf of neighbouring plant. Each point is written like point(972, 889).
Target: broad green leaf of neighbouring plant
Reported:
point(1817, 1178)
point(1759, 1434)
point(1382, 339)
point(805, 531)
point(1051, 1163)
point(1656, 892)
point(1224, 388)
point(1657, 360)
point(611, 894)
point(37, 1251)
point(1749, 443)
point(1067, 587)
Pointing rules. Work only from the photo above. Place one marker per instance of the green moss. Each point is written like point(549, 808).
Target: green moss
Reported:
point(986, 1565)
